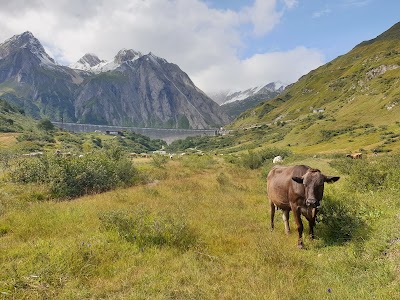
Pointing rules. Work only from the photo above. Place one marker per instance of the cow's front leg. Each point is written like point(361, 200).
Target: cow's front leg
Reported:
point(311, 224)
point(311, 216)
point(285, 217)
point(297, 218)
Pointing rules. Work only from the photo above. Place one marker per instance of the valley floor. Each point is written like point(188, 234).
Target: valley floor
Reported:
point(198, 230)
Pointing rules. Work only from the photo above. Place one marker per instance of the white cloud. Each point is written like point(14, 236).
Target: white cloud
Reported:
point(259, 69)
point(263, 15)
point(204, 42)
point(291, 3)
point(356, 3)
point(321, 13)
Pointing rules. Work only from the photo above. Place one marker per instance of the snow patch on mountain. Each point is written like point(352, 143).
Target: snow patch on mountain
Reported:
point(91, 63)
point(234, 96)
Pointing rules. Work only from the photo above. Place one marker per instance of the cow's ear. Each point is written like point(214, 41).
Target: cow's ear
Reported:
point(331, 179)
point(298, 179)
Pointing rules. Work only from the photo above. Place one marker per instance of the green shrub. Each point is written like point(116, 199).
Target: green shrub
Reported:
point(150, 230)
point(6, 156)
point(337, 221)
point(4, 229)
point(254, 160)
point(28, 146)
point(29, 170)
point(159, 161)
point(36, 137)
point(45, 124)
point(69, 177)
point(222, 179)
point(370, 174)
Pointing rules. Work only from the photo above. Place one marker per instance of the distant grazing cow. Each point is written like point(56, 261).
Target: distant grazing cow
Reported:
point(59, 153)
point(277, 159)
point(33, 154)
point(355, 155)
point(298, 189)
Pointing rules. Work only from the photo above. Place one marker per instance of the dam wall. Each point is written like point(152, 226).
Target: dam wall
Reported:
point(167, 134)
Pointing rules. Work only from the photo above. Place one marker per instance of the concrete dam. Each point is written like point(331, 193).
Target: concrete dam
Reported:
point(167, 134)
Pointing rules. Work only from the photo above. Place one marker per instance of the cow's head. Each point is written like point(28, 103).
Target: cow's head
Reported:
point(313, 182)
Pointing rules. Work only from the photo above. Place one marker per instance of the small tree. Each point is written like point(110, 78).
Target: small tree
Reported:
point(45, 124)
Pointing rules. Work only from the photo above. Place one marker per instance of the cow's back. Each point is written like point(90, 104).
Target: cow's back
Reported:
point(280, 185)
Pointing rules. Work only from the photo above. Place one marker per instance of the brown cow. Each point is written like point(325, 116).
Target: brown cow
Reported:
point(355, 155)
point(298, 189)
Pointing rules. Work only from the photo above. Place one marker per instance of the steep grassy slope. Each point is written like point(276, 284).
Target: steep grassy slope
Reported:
point(13, 119)
point(349, 103)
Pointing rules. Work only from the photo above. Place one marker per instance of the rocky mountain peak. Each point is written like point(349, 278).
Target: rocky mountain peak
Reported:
point(28, 41)
point(89, 62)
point(126, 55)
point(272, 87)
point(90, 59)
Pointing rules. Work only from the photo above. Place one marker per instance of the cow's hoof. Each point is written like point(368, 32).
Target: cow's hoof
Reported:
point(300, 245)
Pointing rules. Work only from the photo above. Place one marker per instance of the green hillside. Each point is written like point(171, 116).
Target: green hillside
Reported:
point(12, 118)
point(348, 104)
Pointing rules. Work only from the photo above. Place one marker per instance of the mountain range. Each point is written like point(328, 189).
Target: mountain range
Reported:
point(234, 103)
point(133, 89)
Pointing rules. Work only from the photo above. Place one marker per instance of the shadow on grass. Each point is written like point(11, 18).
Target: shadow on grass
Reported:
point(339, 223)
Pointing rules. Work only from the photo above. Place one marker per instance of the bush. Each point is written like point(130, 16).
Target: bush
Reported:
point(372, 174)
point(69, 177)
point(150, 230)
point(45, 124)
point(6, 156)
point(36, 137)
point(254, 160)
point(159, 161)
point(338, 222)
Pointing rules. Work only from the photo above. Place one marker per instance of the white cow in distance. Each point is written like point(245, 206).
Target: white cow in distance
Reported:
point(277, 159)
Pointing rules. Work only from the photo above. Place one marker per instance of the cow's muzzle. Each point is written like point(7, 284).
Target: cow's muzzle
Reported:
point(312, 202)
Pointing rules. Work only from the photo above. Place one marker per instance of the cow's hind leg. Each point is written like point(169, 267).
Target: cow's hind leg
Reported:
point(285, 217)
point(272, 214)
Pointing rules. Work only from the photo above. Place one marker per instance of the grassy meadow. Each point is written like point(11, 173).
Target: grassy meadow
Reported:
point(197, 227)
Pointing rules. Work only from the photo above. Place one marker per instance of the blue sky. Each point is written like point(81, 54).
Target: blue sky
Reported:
point(220, 44)
point(333, 27)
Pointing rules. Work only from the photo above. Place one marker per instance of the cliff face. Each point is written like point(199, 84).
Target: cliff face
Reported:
point(147, 92)
point(132, 90)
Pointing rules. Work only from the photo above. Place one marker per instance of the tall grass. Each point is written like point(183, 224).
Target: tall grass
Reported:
point(200, 232)
point(146, 229)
